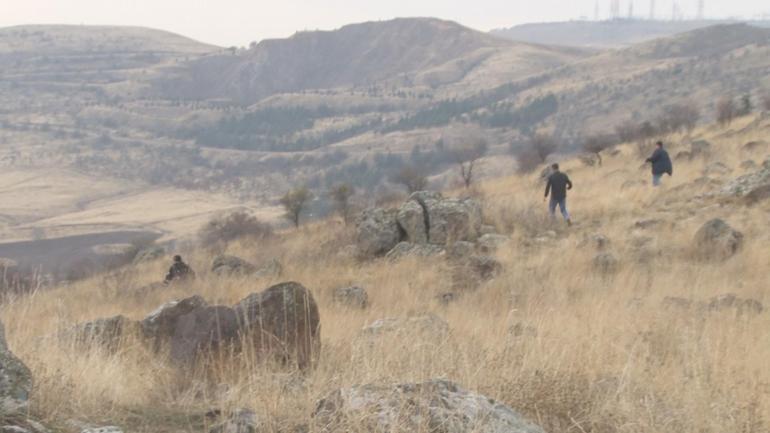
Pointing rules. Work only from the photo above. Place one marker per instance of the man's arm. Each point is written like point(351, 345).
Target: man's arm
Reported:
point(655, 156)
point(569, 183)
point(548, 187)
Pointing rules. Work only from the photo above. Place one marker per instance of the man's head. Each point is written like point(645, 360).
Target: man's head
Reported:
point(177, 258)
point(659, 144)
point(555, 167)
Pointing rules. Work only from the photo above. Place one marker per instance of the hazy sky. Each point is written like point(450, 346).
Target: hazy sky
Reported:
point(237, 22)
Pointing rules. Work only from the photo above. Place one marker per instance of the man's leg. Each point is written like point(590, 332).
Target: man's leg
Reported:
point(563, 208)
point(552, 207)
point(656, 179)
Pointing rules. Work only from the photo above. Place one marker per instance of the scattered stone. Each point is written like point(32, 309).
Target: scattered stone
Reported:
point(731, 301)
point(15, 381)
point(242, 421)
point(149, 254)
point(377, 232)
point(107, 333)
point(232, 266)
point(159, 326)
point(406, 249)
point(676, 303)
point(648, 223)
point(437, 406)
point(425, 324)
point(606, 263)
point(447, 298)
point(522, 330)
point(489, 243)
point(107, 429)
point(716, 240)
point(354, 296)
point(283, 320)
point(273, 269)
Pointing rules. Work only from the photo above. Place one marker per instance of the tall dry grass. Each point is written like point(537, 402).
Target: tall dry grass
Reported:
point(599, 352)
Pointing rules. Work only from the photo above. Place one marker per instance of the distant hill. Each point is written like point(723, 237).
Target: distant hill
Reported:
point(605, 34)
point(403, 52)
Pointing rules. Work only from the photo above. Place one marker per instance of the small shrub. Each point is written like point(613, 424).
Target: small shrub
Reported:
point(236, 225)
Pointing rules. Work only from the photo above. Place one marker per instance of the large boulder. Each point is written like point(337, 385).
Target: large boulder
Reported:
point(751, 186)
point(159, 326)
point(203, 331)
point(15, 381)
point(413, 221)
point(436, 406)
point(453, 220)
point(377, 232)
point(231, 266)
point(282, 320)
point(716, 240)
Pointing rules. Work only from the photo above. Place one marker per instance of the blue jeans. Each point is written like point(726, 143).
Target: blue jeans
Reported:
point(562, 207)
point(656, 179)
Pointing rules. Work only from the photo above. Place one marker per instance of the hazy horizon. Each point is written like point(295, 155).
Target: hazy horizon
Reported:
point(238, 22)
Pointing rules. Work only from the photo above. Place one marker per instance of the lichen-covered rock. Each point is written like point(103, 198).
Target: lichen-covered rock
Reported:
point(744, 185)
point(406, 249)
point(454, 220)
point(231, 266)
point(15, 381)
point(461, 250)
point(203, 331)
point(436, 406)
point(159, 326)
point(716, 240)
point(413, 221)
point(283, 321)
point(377, 232)
point(353, 296)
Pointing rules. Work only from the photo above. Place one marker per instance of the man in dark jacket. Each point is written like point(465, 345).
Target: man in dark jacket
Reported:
point(179, 271)
point(558, 184)
point(661, 164)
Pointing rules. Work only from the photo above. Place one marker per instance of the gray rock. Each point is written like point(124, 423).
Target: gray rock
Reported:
point(106, 429)
point(522, 330)
point(489, 243)
point(413, 220)
point(716, 240)
point(648, 223)
point(242, 421)
point(231, 266)
point(744, 185)
point(606, 263)
point(421, 325)
point(454, 220)
point(107, 333)
point(203, 331)
point(460, 250)
point(447, 298)
point(159, 326)
point(273, 269)
point(377, 232)
point(21, 425)
point(282, 321)
point(15, 381)
point(149, 254)
point(354, 296)
point(436, 406)
point(406, 249)
point(732, 302)
point(484, 267)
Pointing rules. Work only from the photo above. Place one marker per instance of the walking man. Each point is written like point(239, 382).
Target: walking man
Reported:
point(558, 184)
point(661, 163)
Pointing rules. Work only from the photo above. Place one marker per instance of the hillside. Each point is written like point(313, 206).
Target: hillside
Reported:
point(618, 323)
point(401, 53)
point(605, 34)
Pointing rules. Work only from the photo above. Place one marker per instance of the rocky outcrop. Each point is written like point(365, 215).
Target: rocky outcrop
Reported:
point(353, 297)
point(753, 187)
point(426, 218)
point(231, 266)
point(284, 321)
point(15, 381)
point(377, 232)
point(436, 406)
point(159, 326)
point(489, 243)
point(716, 240)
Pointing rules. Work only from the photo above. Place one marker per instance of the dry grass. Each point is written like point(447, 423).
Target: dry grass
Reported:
point(606, 356)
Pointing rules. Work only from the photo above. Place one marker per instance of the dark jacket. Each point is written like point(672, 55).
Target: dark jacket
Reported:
point(558, 184)
point(179, 271)
point(661, 163)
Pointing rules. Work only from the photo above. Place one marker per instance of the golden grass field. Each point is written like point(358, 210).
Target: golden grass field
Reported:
point(605, 357)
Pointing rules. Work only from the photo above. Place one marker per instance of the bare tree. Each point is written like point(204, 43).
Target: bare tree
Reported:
point(535, 152)
point(595, 144)
point(726, 111)
point(412, 178)
point(294, 203)
point(340, 195)
point(466, 157)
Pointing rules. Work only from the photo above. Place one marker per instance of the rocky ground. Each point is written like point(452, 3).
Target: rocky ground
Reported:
point(467, 311)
